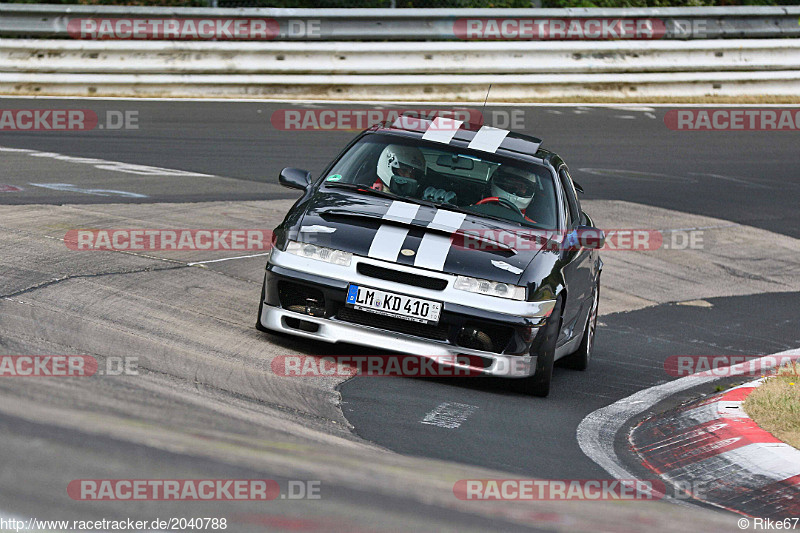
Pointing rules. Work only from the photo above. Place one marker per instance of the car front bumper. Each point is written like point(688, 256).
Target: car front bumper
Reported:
point(460, 310)
point(274, 318)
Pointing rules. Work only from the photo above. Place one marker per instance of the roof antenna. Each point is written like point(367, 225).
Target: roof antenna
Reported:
point(485, 100)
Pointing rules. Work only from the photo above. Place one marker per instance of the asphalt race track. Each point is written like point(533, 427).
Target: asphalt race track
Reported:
point(206, 404)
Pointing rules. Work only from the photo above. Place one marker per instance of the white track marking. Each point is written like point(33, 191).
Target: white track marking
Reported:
point(115, 166)
point(596, 432)
point(728, 178)
point(68, 187)
point(449, 415)
point(227, 259)
point(697, 228)
point(619, 173)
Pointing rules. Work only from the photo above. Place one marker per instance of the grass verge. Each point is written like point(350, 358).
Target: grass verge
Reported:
point(775, 405)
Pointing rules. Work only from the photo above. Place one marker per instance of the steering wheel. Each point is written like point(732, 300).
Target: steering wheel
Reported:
point(505, 202)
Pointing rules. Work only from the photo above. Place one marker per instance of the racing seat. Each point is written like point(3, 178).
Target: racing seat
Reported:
point(541, 211)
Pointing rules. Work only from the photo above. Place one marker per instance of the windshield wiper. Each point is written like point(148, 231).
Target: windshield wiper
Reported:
point(429, 203)
point(452, 207)
point(364, 189)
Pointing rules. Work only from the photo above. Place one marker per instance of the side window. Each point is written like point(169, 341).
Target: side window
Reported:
point(565, 207)
point(573, 207)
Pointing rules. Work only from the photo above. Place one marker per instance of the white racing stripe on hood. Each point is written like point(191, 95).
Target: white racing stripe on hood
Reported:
point(488, 139)
point(387, 242)
point(432, 252)
point(401, 212)
point(445, 220)
point(434, 248)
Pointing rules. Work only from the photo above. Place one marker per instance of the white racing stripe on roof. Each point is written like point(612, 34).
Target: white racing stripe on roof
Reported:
point(401, 212)
point(442, 130)
point(488, 139)
point(387, 242)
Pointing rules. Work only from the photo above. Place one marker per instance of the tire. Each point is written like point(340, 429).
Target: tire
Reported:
point(259, 326)
point(579, 360)
point(539, 383)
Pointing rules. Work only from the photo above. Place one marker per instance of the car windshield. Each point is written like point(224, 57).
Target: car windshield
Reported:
point(483, 184)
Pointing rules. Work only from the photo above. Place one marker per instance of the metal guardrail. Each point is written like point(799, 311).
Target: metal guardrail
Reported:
point(37, 20)
point(460, 88)
point(402, 71)
point(358, 54)
point(396, 58)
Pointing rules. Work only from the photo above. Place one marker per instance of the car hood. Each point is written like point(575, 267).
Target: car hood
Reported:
point(418, 235)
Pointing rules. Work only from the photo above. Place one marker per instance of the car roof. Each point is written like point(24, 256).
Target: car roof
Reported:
point(475, 136)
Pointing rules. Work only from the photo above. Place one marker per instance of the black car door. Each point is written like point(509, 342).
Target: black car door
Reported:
point(577, 263)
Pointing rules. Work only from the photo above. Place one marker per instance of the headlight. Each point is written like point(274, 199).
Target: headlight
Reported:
point(320, 253)
point(492, 288)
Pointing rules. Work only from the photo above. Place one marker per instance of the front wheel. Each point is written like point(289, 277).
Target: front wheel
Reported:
point(580, 359)
point(545, 349)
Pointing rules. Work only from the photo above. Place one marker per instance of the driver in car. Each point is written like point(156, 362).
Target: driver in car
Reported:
point(514, 185)
point(403, 162)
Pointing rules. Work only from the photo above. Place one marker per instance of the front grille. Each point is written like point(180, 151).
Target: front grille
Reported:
point(294, 295)
point(406, 278)
point(399, 325)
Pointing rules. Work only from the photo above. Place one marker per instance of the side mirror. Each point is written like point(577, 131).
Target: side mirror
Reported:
point(295, 178)
point(578, 186)
point(591, 237)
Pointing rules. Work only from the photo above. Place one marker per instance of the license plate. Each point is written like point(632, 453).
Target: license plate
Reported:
point(394, 305)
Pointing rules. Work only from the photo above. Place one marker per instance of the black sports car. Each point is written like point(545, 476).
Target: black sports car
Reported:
point(437, 238)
